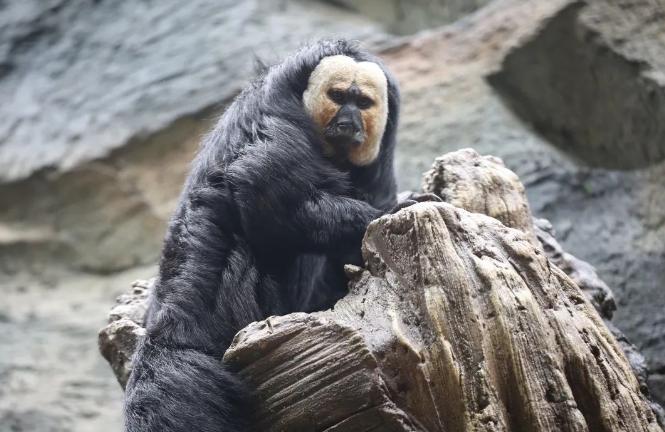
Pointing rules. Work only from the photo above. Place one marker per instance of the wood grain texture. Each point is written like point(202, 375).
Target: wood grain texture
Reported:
point(457, 324)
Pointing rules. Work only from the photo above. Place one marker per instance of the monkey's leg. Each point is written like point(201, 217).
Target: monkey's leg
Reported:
point(316, 282)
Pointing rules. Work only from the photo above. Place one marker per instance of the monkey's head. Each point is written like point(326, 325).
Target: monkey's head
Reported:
point(348, 101)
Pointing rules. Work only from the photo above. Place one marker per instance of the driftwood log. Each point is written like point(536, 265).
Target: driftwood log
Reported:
point(458, 322)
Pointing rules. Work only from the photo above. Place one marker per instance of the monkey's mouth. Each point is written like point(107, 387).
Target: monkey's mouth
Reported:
point(343, 137)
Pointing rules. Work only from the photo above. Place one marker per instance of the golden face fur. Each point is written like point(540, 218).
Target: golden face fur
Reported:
point(339, 73)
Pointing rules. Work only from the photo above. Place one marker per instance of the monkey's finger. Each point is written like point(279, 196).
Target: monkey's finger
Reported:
point(403, 204)
point(428, 197)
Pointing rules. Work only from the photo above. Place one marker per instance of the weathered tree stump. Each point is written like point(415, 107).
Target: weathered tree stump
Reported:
point(483, 184)
point(456, 323)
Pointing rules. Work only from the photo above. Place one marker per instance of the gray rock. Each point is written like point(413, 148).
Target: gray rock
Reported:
point(577, 84)
point(408, 16)
point(85, 77)
point(132, 306)
point(657, 386)
point(117, 341)
point(52, 377)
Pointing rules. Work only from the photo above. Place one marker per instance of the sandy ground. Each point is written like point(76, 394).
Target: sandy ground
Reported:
point(52, 378)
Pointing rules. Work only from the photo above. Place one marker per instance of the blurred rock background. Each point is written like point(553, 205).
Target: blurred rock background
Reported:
point(102, 105)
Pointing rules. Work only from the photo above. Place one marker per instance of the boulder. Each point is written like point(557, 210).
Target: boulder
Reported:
point(590, 83)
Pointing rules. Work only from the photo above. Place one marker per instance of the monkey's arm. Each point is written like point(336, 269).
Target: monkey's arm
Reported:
point(330, 221)
point(294, 201)
point(320, 223)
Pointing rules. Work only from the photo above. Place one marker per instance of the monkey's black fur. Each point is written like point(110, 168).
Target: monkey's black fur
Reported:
point(264, 225)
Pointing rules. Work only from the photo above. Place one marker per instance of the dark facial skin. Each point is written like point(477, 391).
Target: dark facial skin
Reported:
point(346, 129)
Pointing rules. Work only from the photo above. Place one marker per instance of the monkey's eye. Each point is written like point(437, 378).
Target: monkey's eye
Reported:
point(365, 102)
point(336, 96)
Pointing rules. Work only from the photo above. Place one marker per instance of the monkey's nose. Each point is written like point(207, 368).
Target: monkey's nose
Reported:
point(347, 125)
point(344, 123)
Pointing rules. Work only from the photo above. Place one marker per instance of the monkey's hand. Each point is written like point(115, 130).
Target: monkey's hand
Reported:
point(414, 198)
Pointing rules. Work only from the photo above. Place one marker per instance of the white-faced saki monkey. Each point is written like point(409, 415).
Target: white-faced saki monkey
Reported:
point(277, 201)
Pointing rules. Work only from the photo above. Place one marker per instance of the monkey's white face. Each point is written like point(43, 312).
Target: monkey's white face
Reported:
point(348, 101)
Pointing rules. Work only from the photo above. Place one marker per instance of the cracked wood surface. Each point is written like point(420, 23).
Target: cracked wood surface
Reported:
point(457, 324)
